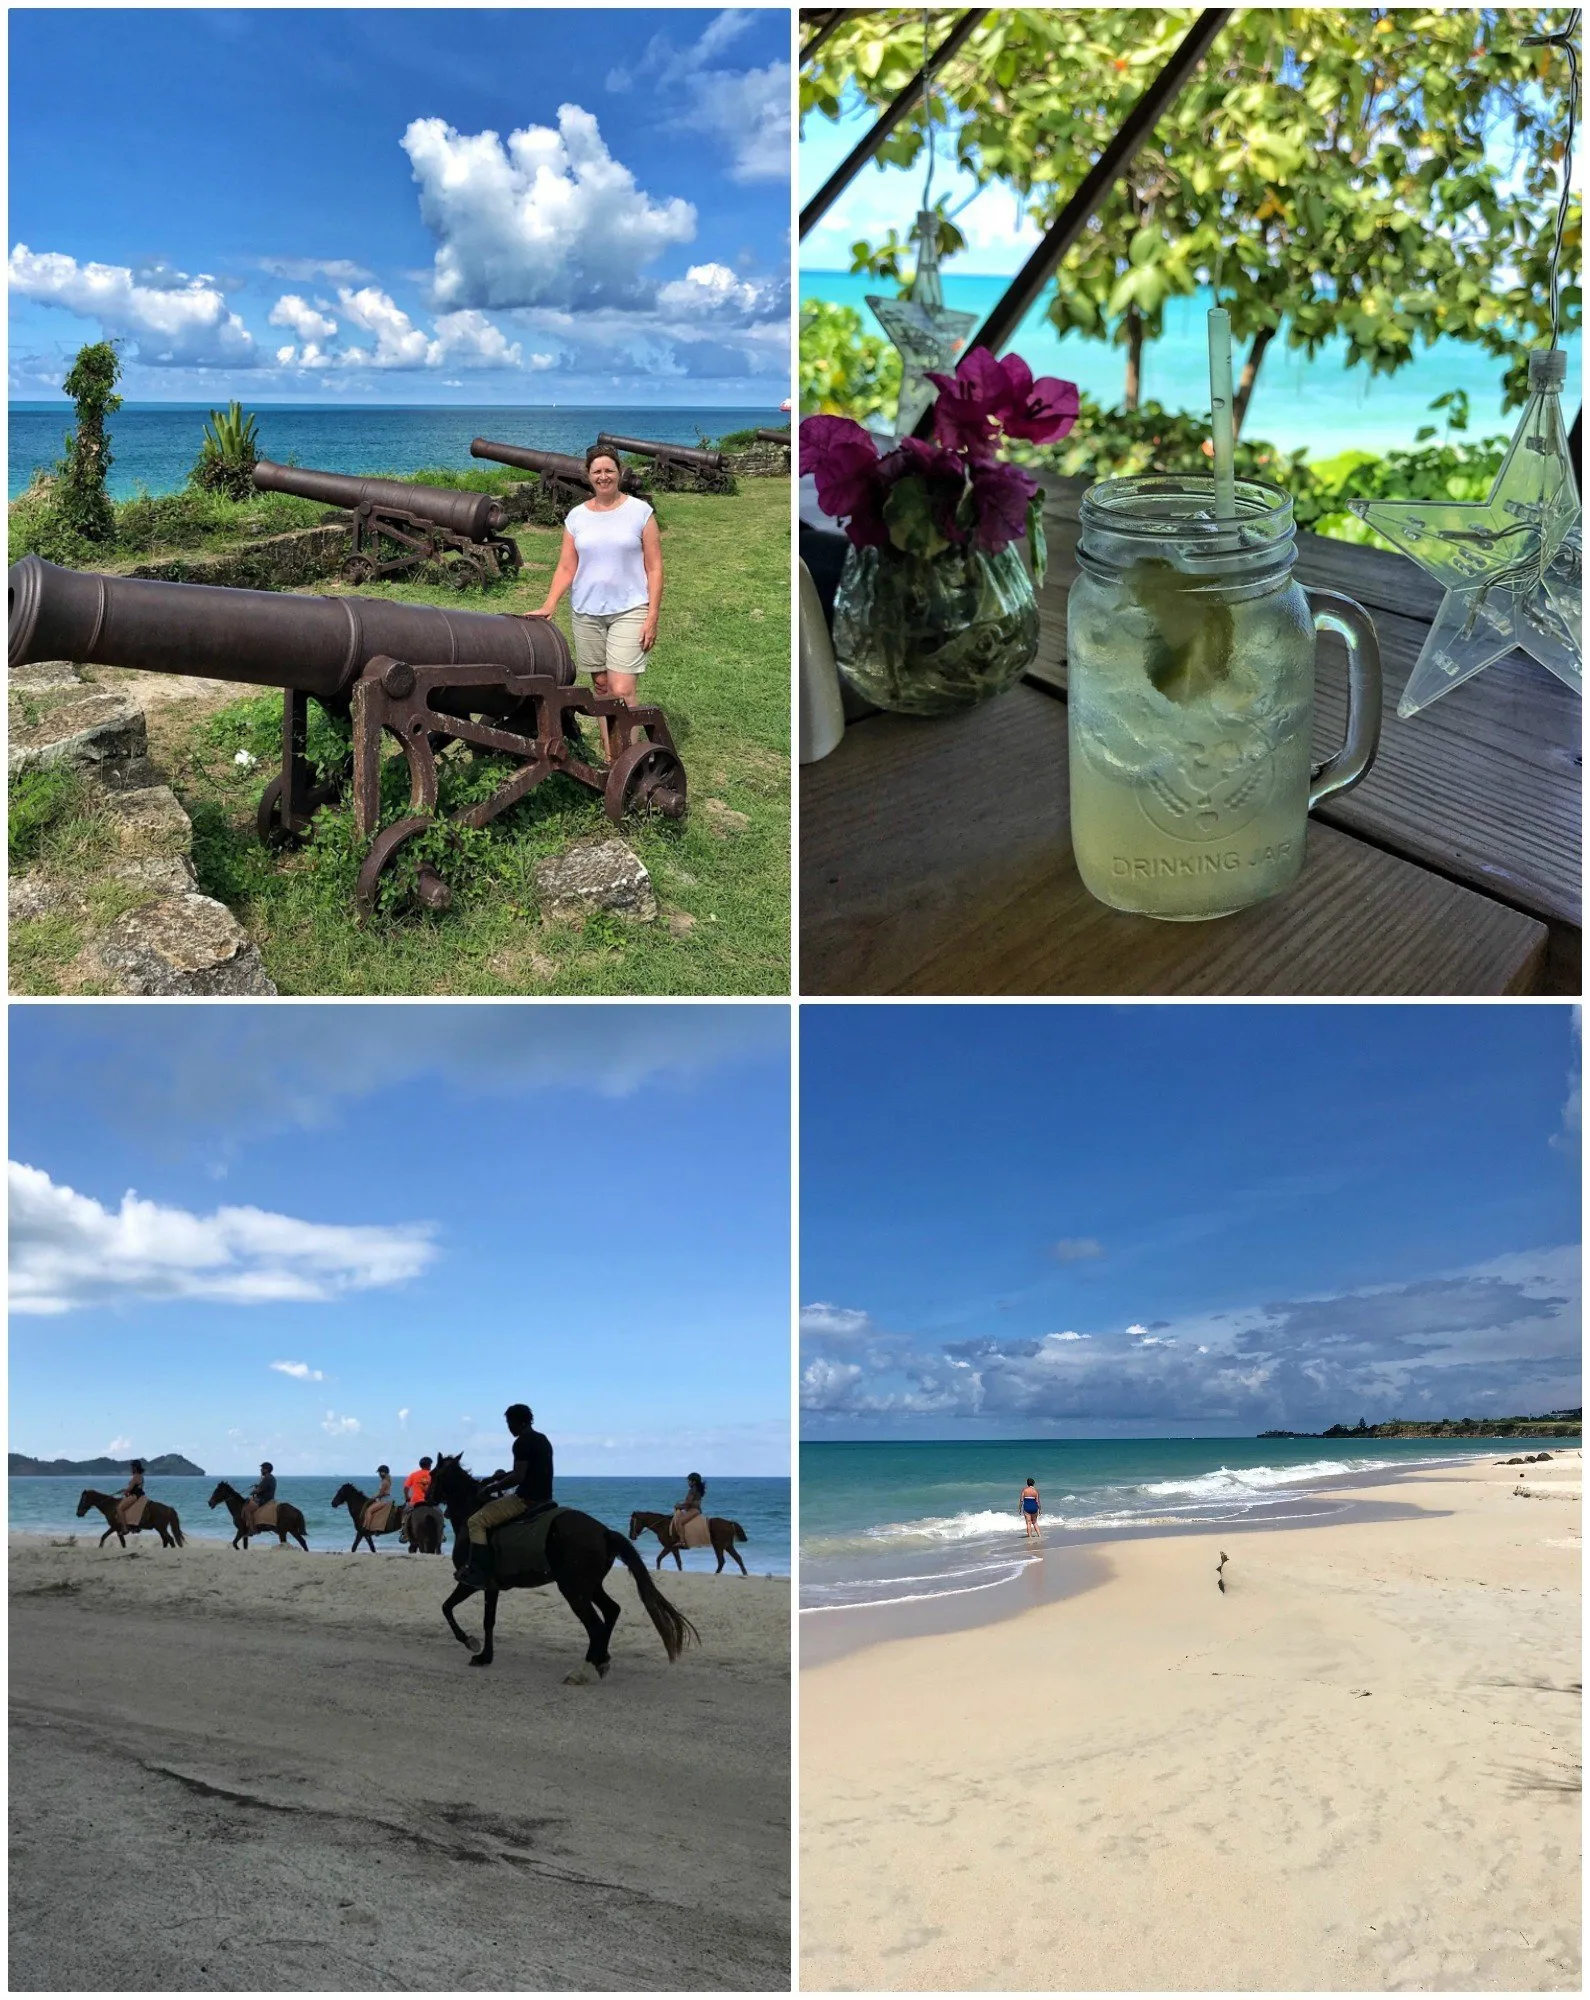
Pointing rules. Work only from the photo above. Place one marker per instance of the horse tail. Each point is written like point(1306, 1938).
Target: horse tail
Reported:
point(673, 1627)
point(176, 1529)
point(738, 1532)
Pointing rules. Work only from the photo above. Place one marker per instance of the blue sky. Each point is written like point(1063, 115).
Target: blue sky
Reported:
point(404, 205)
point(334, 1235)
point(1185, 1220)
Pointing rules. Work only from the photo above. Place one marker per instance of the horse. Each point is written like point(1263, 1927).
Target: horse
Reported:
point(429, 1519)
point(724, 1536)
point(157, 1515)
point(580, 1552)
point(289, 1521)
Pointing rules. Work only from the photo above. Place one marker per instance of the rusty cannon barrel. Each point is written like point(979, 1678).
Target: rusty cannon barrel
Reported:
point(551, 464)
point(772, 437)
point(472, 515)
point(681, 454)
point(315, 645)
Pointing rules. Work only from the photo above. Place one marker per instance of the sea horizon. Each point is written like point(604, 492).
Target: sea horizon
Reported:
point(1316, 404)
point(153, 445)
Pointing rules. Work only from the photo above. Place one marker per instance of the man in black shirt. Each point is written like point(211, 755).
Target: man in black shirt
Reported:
point(261, 1494)
point(530, 1479)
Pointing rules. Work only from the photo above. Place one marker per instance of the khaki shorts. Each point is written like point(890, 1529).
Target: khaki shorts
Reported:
point(610, 644)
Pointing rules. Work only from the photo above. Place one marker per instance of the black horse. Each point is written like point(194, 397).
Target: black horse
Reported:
point(580, 1552)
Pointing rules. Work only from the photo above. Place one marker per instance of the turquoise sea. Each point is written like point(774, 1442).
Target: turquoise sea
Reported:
point(153, 445)
point(1318, 403)
point(885, 1524)
point(761, 1506)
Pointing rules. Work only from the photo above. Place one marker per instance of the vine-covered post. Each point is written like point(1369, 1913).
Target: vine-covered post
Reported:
point(81, 497)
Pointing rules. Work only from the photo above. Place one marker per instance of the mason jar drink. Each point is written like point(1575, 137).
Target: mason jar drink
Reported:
point(1191, 697)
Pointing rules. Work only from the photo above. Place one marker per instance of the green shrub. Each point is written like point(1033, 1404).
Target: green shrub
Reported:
point(42, 803)
point(229, 453)
point(80, 497)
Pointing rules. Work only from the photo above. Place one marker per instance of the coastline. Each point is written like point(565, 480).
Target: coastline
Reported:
point(288, 1760)
point(1356, 1769)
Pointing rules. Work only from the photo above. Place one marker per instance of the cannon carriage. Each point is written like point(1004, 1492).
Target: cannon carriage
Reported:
point(425, 676)
point(398, 527)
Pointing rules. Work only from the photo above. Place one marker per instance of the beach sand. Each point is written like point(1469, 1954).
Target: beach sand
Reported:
point(277, 1771)
point(1356, 1770)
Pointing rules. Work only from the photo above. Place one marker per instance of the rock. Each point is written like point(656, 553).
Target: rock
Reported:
point(181, 945)
point(30, 897)
point(724, 820)
point(91, 730)
point(598, 874)
point(152, 832)
point(44, 676)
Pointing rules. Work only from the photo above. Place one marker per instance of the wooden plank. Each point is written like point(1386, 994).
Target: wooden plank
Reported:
point(1484, 786)
point(935, 858)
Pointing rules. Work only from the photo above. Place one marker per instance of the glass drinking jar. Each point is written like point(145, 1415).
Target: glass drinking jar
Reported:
point(1191, 697)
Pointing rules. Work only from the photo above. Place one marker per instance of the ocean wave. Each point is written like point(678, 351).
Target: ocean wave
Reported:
point(1008, 1572)
point(1239, 1482)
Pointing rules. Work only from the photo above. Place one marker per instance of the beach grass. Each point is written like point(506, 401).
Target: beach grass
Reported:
point(721, 877)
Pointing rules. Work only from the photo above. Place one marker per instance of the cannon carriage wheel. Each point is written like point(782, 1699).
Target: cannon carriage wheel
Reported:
point(647, 777)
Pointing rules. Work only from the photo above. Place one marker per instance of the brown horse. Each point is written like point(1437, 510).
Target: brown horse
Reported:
point(157, 1515)
point(289, 1521)
point(724, 1536)
point(428, 1518)
point(580, 1552)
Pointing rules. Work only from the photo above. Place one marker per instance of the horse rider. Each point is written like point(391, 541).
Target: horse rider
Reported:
point(688, 1509)
point(132, 1494)
point(415, 1488)
point(261, 1494)
point(531, 1480)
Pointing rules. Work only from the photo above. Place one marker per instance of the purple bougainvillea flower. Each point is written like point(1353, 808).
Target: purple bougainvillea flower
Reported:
point(1040, 411)
point(1001, 493)
point(942, 472)
point(971, 402)
point(843, 460)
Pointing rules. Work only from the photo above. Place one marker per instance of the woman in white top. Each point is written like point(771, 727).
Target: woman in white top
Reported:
point(612, 555)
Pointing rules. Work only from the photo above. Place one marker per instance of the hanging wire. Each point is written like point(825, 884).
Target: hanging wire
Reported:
point(1563, 41)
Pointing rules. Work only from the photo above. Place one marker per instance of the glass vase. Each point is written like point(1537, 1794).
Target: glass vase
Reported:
point(929, 635)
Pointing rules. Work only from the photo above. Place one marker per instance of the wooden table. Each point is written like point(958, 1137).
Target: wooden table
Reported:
point(936, 858)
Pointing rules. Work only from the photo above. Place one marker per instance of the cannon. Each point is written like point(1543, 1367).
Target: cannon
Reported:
point(773, 437)
point(563, 484)
point(675, 466)
point(396, 526)
point(425, 676)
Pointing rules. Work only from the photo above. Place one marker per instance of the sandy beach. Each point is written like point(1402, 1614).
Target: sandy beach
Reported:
point(1357, 1769)
point(276, 1771)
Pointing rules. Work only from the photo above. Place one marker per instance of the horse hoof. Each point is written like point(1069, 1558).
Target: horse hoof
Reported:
point(601, 1671)
point(479, 1660)
point(578, 1679)
point(472, 1644)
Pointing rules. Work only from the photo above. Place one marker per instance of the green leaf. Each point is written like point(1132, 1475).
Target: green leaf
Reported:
point(910, 518)
point(1036, 540)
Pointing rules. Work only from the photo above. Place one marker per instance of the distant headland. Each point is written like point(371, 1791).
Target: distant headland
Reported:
point(170, 1465)
point(1556, 1423)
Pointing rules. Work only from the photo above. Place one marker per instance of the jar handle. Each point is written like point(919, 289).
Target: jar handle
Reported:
point(1352, 623)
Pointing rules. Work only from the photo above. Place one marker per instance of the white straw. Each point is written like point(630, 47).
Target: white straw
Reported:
point(1224, 437)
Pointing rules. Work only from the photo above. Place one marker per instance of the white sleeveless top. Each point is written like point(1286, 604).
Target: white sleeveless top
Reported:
point(612, 575)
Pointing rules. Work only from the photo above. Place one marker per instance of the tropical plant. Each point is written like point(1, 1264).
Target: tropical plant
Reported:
point(78, 496)
point(229, 453)
point(1330, 171)
point(845, 371)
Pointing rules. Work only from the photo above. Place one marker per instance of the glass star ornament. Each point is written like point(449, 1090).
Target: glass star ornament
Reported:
point(927, 333)
point(1510, 562)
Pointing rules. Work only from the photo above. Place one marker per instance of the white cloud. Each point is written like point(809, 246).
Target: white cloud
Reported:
point(299, 1370)
point(549, 219)
point(713, 295)
point(304, 270)
point(398, 341)
point(68, 1251)
point(746, 110)
point(1136, 1332)
point(827, 1382)
point(1567, 1139)
point(403, 1418)
point(469, 340)
point(117, 1447)
point(828, 1322)
point(301, 318)
point(174, 319)
point(1058, 1337)
point(1076, 1249)
point(339, 1426)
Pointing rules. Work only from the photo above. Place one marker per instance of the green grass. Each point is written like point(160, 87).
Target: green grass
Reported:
point(721, 674)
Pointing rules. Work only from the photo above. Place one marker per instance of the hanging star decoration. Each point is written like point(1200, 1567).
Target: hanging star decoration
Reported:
point(928, 335)
point(1510, 563)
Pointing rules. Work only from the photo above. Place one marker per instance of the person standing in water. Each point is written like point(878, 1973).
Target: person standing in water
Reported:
point(1030, 1508)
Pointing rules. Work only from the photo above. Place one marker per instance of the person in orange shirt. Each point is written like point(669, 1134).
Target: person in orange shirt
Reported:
point(418, 1484)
